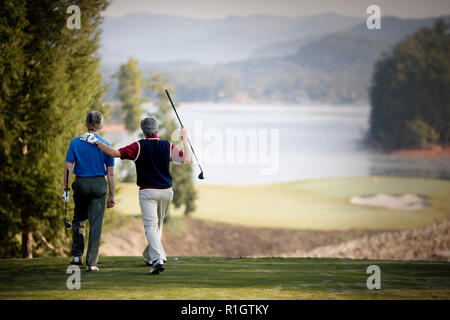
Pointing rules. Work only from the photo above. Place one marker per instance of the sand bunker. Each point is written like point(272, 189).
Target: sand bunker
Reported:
point(407, 201)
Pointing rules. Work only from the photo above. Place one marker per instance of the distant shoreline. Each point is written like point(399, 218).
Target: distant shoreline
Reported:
point(113, 127)
point(435, 151)
point(432, 152)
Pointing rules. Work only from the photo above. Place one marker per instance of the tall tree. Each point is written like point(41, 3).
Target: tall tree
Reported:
point(410, 92)
point(50, 80)
point(184, 191)
point(130, 93)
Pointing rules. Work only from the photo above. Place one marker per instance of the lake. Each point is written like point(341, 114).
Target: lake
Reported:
point(261, 144)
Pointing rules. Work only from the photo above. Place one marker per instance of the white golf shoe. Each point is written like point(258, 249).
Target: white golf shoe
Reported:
point(92, 268)
point(77, 261)
point(149, 262)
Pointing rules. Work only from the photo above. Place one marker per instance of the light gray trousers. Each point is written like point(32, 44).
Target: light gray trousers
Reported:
point(154, 207)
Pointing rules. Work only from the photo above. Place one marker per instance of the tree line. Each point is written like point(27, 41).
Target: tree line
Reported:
point(410, 92)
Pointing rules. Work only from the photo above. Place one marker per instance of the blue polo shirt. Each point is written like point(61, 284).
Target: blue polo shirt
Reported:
point(89, 160)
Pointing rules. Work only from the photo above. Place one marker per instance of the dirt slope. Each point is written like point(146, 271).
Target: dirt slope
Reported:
point(192, 237)
point(426, 243)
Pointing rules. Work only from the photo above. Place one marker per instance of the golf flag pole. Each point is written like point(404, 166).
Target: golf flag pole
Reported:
point(200, 176)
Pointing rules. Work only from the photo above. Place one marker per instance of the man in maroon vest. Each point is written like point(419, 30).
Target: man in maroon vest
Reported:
point(152, 157)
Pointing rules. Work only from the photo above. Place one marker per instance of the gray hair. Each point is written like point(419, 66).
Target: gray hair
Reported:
point(149, 126)
point(94, 120)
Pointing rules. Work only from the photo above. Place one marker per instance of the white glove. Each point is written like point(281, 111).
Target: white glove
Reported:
point(90, 138)
point(66, 195)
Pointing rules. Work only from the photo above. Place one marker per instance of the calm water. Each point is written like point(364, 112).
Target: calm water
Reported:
point(313, 142)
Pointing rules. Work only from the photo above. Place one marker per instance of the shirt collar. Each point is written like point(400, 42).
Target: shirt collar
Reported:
point(153, 136)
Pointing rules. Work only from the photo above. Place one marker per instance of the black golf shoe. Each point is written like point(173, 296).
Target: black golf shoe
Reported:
point(158, 267)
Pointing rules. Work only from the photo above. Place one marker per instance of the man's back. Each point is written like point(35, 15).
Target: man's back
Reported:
point(89, 160)
point(152, 164)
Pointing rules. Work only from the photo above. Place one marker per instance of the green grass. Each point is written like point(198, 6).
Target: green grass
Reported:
point(315, 204)
point(225, 278)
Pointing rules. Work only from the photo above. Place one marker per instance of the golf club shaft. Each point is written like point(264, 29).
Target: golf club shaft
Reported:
point(173, 106)
point(179, 120)
point(66, 185)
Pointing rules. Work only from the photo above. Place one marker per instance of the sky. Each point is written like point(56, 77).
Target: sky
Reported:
point(210, 9)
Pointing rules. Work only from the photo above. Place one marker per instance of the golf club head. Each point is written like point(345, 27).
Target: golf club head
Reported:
point(200, 176)
point(67, 224)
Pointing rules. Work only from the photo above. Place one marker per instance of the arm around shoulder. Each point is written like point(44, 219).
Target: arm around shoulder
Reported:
point(109, 150)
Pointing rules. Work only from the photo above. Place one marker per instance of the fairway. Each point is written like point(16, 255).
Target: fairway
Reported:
point(225, 278)
point(314, 204)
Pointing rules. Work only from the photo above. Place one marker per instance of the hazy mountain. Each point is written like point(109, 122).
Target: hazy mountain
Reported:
point(393, 29)
point(336, 68)
point(335, 51)
point(283, 48)
point(331, 68)
point(162, 38)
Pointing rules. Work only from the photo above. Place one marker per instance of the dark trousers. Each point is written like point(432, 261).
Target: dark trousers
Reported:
point(89, 195)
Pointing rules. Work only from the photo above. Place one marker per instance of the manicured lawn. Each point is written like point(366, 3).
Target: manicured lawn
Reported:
point(225, 278)
point(314, 204)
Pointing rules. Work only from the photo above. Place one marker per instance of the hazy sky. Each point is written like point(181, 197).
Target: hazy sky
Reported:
point(223, 8)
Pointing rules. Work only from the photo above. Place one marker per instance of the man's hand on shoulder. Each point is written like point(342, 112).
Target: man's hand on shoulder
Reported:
point(90, 138)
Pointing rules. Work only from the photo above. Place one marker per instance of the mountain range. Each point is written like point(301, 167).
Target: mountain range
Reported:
point(162, 38)
point(325, 58)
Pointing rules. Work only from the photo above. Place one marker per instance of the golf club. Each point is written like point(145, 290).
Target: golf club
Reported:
point(67, 224)
point(200, 176)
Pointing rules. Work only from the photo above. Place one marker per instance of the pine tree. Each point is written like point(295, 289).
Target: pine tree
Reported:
point(50, 80)
point(410, 92)
point(130, 93)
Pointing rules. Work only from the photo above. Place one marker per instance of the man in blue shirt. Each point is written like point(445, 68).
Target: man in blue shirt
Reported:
point(90, 167)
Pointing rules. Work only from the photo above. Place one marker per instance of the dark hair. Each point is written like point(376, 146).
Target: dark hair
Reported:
point(94, 120)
